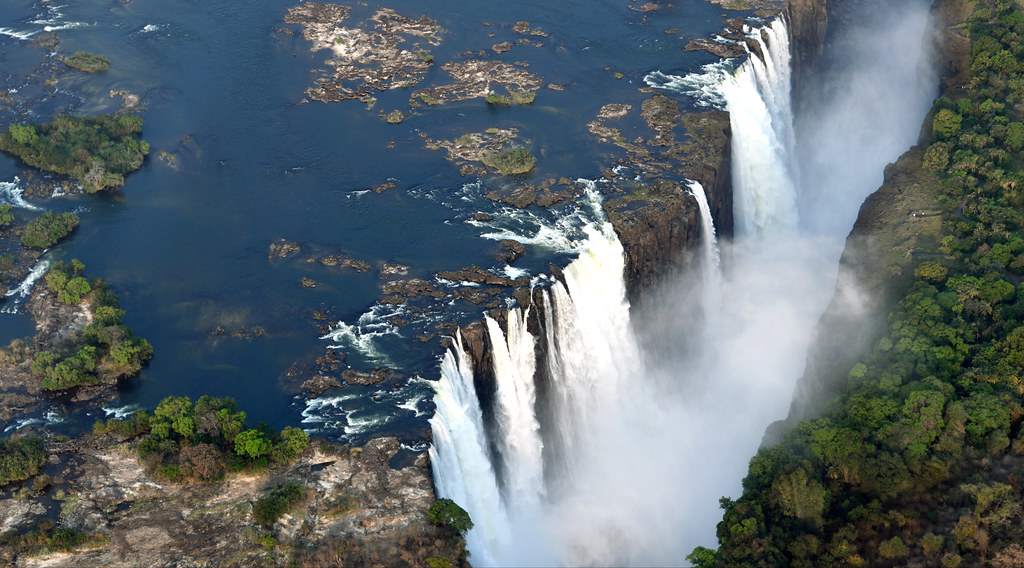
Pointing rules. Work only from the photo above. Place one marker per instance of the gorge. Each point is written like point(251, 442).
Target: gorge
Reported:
point(602, 446)
point(666, 307)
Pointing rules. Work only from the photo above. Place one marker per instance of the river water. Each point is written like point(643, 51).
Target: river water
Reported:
point(186, 247)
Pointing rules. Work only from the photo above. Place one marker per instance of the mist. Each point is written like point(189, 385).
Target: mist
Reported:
point(652, 412)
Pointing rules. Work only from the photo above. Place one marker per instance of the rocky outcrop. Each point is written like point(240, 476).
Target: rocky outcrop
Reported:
point(365, 507)
point(659, 223)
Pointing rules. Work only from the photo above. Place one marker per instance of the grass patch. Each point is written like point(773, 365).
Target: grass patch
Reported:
point(510, 161)
point(394, 117)
point(88, 62)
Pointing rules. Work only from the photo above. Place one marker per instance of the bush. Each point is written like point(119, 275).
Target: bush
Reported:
point(88, 62)
point(447, 514)
point(20, 459)
point(510, 161)
point(278, 501)
point(48, 229)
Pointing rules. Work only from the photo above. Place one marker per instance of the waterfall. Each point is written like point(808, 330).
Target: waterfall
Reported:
point(712, 259)
point(757, 97)
point(518, 438)
point(458, 456)
point(630, 449)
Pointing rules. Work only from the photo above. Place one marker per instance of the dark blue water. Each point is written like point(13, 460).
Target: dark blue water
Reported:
point(186, 247)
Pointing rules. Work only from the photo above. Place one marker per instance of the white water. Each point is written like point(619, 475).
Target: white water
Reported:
point(639, 443)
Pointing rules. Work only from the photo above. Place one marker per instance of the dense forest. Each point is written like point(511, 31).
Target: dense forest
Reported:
point(920, 460)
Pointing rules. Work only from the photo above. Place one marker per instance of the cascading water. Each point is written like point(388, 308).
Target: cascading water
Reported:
point(636, 450)
point(757, 97)
point(712, 260)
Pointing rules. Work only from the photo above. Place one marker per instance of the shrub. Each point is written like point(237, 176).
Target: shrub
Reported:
point(278, 501)
point(88, 62)
point(510, 161)
point(48, 229)
point(20, 459)
point(447, 514)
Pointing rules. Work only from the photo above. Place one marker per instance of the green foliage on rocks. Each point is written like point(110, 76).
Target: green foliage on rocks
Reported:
point(917, 461)
point(200, 441)
point(88, 62)
point(447, 514)
point(97, 151)
point(48, 229)
point(45, 537)
point(510, 161)
point(104, 350)
point(20, 459)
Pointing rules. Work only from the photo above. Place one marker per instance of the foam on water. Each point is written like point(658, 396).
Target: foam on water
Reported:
point(11, 193)
point(19, 293)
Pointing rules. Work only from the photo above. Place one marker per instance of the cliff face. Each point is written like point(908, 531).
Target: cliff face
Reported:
point(877, 262)
point(660, 222)
point(808, 25)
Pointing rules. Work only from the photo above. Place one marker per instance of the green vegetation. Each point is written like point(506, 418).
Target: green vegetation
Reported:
point(919, 459)
point(48, 229)
point(447, 514)
point(186, 441)
point(523, 97)
point(510, 161)
point(97, 151)
point(276, 502)
point(20, 459)
point(496, 99)
point(88, 62)
point(105, 349)
point(46, 538)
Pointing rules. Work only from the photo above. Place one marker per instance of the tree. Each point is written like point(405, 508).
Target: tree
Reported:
point(292, 443)
point(946, 124)
point(175, 413)
point(252, 443)
point(446, 513)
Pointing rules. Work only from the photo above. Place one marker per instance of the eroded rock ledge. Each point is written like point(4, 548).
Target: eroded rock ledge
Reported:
point(361, 511)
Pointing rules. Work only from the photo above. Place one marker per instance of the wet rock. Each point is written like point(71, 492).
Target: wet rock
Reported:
point(482, 217)
point(477, 275)
point(412, 288)
point(390, 269)
point(373, 377)
point(725, 50)
point(389, 51)
point(316, 386)
point(381, 188)
point(283, 249)
point(509, 250)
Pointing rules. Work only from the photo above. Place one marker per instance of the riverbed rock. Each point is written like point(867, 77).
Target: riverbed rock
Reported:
point(361, 511)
